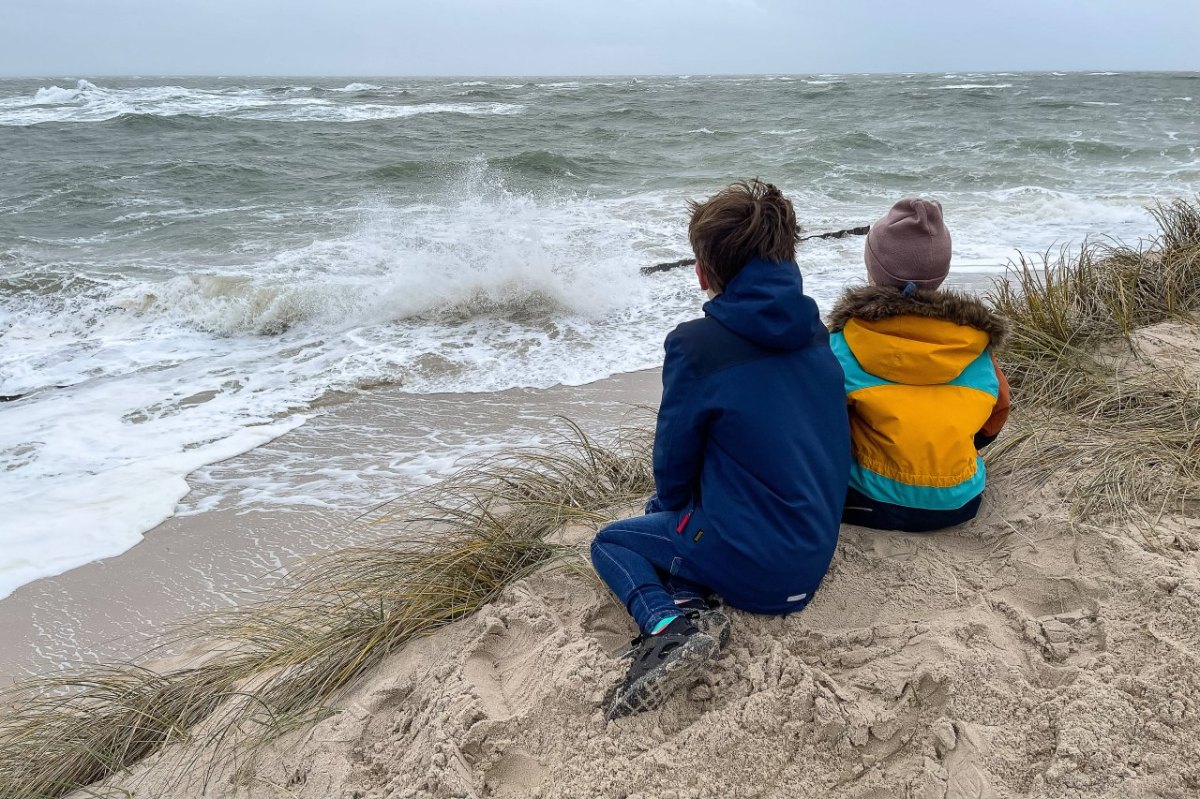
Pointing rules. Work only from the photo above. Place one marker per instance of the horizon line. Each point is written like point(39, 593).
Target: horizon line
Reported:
point(426, 76)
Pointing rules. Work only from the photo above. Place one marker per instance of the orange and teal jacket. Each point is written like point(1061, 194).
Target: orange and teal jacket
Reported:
point(924, 392)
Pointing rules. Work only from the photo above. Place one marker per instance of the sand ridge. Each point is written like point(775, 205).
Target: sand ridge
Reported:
point(1017, 655)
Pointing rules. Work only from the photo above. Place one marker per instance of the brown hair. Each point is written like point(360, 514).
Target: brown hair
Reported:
point(746, 220)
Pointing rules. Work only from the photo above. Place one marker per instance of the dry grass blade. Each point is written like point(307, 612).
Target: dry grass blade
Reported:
point(270, 666)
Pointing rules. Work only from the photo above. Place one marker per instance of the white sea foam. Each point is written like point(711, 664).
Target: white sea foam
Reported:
point(364, 112)
point(79, 507)
point(976, 86)
point(360, 87)
point(91, 103)
point(55, 95)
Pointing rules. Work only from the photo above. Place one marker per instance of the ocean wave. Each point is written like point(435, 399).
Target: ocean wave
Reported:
point(183, 213)
point(359, 87)
point(368, 112)
point(236, 305)
point(154, 121)
point(527, 164)
point(484, 94)
point(975, 86)
point(543, 163)
point(1053, 102)
point(402, 171)
point(491, 258)
point(88, 102)
point(56, 95)
point(860, 140)
point(486, 290)
point(1069, 147)
point(49, 284)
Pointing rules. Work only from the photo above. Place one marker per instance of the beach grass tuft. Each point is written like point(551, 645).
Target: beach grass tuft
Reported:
point(267, 667)
point(1092, 402)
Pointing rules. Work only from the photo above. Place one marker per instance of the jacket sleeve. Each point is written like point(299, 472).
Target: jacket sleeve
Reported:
point(680, 433)
point(991, 428)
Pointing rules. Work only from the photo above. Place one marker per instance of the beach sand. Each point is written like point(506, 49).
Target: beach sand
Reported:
point(1024, 654)
point(1009, 657)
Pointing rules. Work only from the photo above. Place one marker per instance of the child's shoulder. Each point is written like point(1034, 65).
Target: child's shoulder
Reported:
point(707, 345)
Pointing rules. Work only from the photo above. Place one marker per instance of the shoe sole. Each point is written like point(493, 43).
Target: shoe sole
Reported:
point(656, 687)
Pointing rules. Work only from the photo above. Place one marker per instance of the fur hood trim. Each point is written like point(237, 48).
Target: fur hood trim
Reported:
point(875, 303)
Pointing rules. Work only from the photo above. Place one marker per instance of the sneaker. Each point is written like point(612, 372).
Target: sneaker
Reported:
point(707, 617)
point(662, 664)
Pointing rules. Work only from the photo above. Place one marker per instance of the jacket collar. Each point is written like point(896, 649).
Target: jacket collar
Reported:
point(876, 303)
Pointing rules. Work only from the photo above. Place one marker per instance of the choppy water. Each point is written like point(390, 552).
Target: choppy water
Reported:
point(187, 265)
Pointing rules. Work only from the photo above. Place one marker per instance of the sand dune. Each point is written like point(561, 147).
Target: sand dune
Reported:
point(1018, 655)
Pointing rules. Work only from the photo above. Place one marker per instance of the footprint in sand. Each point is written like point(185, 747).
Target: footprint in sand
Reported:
point(499, 668)
point(516, 774)
point(1065, 634)
point(610, 626)
point(958, 746)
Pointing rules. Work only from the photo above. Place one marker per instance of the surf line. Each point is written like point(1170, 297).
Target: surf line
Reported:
point(837, 234)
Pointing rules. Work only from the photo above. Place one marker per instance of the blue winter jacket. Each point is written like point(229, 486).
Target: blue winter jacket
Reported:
point(752, 447)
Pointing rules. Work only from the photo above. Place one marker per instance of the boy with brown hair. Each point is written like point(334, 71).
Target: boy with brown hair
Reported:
point(751, 452)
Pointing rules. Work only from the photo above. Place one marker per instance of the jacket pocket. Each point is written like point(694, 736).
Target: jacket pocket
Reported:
point(693, 533)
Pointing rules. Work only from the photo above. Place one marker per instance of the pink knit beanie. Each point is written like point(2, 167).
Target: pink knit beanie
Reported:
point(909, 245)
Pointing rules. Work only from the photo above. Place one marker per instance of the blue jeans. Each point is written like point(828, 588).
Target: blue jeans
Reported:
point(633, 557)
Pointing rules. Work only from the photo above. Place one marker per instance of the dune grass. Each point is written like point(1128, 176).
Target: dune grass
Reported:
point(270, 666)
point(1091, 403)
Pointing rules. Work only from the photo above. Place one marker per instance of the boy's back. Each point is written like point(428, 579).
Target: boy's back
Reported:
point(753, 441)
point(751, 452)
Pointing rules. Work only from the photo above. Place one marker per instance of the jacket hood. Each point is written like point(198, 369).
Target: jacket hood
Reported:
point(877, 303)
point(925, 338)
point(766, 303)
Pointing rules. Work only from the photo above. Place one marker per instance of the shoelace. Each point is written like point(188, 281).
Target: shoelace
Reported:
point(633, 647)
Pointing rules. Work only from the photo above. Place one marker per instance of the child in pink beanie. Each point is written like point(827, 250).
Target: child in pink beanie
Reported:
point(924, 391)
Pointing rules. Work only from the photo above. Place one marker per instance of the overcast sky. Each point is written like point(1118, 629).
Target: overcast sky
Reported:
point(581, 37)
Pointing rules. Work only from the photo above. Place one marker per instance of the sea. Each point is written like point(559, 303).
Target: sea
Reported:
point(192, 267)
